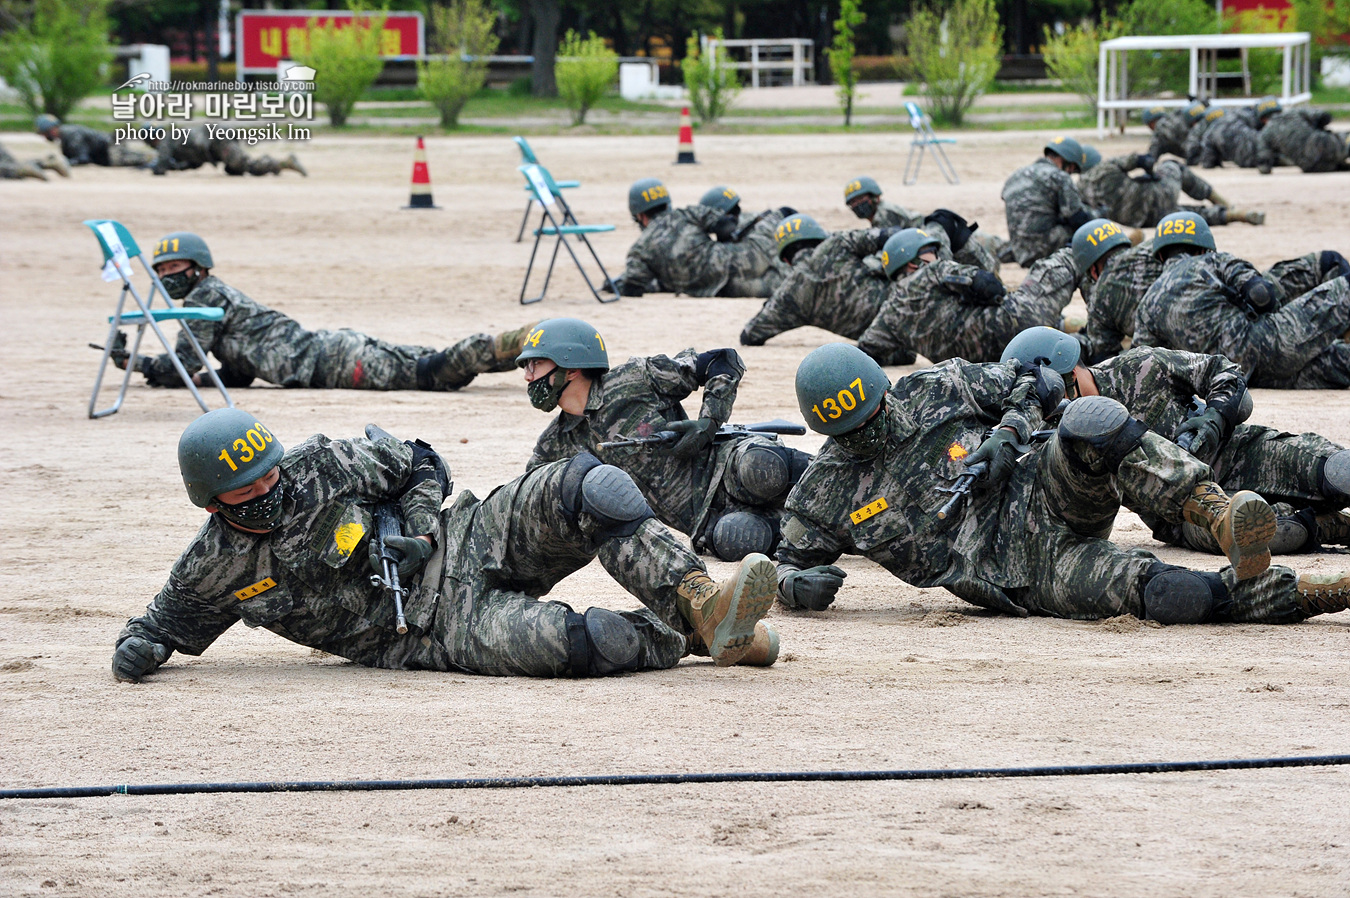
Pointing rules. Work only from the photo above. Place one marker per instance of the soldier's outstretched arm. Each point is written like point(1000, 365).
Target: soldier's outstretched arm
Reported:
point(176, 620)
point(392, 469)
point(778, 314)
point(718, 372)
point(807, 577)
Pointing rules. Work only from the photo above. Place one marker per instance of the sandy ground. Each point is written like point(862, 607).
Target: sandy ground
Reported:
point(92, 514)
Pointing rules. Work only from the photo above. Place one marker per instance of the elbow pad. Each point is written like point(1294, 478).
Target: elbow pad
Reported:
point(718, 361)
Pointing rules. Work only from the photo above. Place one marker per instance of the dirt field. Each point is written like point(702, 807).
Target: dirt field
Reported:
point(93, 513)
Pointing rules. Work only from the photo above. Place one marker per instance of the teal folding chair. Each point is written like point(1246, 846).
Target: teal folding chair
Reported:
point(925, 137)
point(118, 250)
point(527, 157)
point(558, 221)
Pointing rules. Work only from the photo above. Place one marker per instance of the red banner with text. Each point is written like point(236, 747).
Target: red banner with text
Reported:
point(265, 37)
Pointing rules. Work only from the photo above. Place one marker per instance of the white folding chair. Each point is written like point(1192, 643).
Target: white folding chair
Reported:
point(558, 221)
point(118, 250)
point(527, 157)
point(925, 137)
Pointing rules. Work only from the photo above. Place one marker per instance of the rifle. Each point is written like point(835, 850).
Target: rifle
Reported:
point(119, 349)
point(965, 481)
point(725, 432)
point(387, 525)
point(739, 234)
point(1196, 409)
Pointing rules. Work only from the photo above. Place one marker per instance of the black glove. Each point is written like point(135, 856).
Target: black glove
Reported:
point(1202, 435)
point(1259, 294)
point(135, 657)
point(1320, 119)
point(725, 229)
point(1331, 261)
point(621, 287)
point(696, 436)
point(984, 289)
point(812, 589)
point(957, 228)
point(1078, 219)
point(785, 211)
point(1000, 451)
point(414, 553)
point(1146, 162)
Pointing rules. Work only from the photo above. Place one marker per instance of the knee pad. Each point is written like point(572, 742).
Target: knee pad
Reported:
point(606, 493)
point(1295, 533)
point(431, 373)
point(766, 472)
point(1335, 477)
point(601, 642)
point(740, 533)
point(1097, 433)
point(1174, 595)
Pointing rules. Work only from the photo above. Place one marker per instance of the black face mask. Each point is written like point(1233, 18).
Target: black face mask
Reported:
point(545, 391)
point(259, 513)
point(865, 208)
point(866, 441)
point(180, 283)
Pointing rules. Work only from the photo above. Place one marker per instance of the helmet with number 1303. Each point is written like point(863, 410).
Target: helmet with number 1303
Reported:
point(225, 450)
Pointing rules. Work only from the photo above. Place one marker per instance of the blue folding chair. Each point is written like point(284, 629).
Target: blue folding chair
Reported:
point(558, 221)
point(118, 250)
point(527, 157)
point(924, 137)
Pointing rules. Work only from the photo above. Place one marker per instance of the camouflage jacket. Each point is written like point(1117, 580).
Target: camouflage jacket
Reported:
point(1113, 299)
point(928, 312)
point(1300, 136)
point(1195, 140)
point(1156, 385)
point(837, 285)
point(885, 508)
point(192, 150)
point(1169, 136)
point(85, 146)
point(308, 581)
point(677, 252)
point(1139, 202)
point(1234, 137)
point(1037, 198)
point(635, 399)
point(889, 215)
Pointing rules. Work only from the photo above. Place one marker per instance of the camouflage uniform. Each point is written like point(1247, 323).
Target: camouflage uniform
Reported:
point(1169, 135)
point(1233, 137)
point(1039, 200)
point(1156, 385)
point(1114, 299)
point(85, 146)
point(635, 399)
point(11, 168)
point(981, 250)
point(924, 312)
point(1195, 140)
point(253, 341)
point(837, 285)
point(678, 255)
point(1297, 347)
point(474, 606)
point(1036, 543)
point(890, 215)
point(1300, 137)
point(196, 148)
point(1141, 202)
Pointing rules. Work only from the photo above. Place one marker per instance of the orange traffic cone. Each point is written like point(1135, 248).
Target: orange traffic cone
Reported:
point(686, 156)
point(421, 181)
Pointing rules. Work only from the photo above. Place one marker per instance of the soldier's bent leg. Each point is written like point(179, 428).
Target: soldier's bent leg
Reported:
point(1303, 329)
point(1285, 467)
point(354, 361)
point(1077, 470)
point(456, 367)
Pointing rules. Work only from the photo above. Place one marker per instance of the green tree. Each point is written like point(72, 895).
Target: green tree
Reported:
point(956, 53)
point(1152, 72)
point(57, 57)
point(1072, 56)
point(345, 58)
point(841, 54)
point(711, 82)
point(463, 33)
point(585, 70)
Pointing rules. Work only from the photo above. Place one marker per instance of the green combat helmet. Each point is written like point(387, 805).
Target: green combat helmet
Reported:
point(796, 230)
point(1090, 157)
point(1153, 114)
point(905, 247)
point(44, 123)
point(1094, 240)
point(1067, 149)
point(721, 198)
point(863, 186)
point(1044, 346)
point(182, 245)
point(566, 342)
point(646, 195)
point(1267, 107)
point(838, 388)
point(1182, 229)
point(225, 450)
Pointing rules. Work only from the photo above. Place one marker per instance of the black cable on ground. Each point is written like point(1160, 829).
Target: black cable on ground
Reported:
point(676, 779)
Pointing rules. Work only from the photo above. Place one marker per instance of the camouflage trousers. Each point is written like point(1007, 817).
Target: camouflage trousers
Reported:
point(729, 495)
point(241, 164)
point(129, 157)
point(760, 285)
point(1299, 347)
point(1213, 215)
point(1029, 248)
point(354, 361)
point(1075, 572)
point(520, 544)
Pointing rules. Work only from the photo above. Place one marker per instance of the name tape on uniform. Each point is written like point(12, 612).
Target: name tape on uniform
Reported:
point(255, 589)
point(871, 509)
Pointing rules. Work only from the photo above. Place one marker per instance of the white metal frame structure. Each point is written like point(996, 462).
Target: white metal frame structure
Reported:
point(1113, 88)
point(800, 64)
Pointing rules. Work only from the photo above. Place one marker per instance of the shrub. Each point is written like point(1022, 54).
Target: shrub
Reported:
point(1153, 71)
point(346, 60)
point(585, 70)
point(956, 53)
point(712, 83)
point(841, 53)
point(1072, 56)
point(57, 58)
point(463, 32)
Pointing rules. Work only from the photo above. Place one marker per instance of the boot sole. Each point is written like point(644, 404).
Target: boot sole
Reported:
point(1253, 527)
point(754, 593)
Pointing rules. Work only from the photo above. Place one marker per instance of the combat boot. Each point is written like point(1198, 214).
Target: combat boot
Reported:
point(1242, 524)
point(292, 163)
point(1323, 593)
point(56, 163)
point(1250, 216)
point(508, 344)
point(1334, 529)
point(1136, 236)
point(29, 170)
point(724, 614)
point(763, 648)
